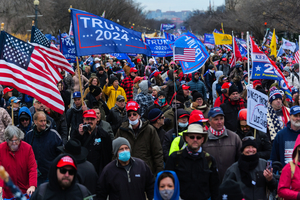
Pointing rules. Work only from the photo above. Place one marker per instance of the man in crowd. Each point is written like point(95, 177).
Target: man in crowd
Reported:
point(25, 120)
point(142, 137)
point(197, 84)
point(103, 124)
point(225, 93)
point(126, 177)
point(44, 142)
point(127, 83)
point(225, 67)
point(290, 78)
point(144, 99)
point(156, 118)
point(196, 169)
point(117, 114)
point(223, 144)
point(38, 106)
point(95, 139)
point(68, 81)
point(101, 74)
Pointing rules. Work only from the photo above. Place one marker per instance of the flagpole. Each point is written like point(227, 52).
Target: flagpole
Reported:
point(248, 60)
point(175, 113)
point(79, 78)
point(12, 112)
point(299, 55)
point(233, 48)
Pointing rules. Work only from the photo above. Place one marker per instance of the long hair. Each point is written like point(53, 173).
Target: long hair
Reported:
point(91, 80)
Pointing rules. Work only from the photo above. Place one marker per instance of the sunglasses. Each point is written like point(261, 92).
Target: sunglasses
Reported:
point(64, 171)
point(192, 137)
point(248, 138)
point(132, 114)
point(244, 126)
point(24, 119)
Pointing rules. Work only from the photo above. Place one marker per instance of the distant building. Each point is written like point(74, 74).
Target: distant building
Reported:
point(174, 16)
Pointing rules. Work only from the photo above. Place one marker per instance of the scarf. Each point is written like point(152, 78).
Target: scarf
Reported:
point(273, 122)
point(217, 133)
point(240, 103)
point(245, 165)
point(192, 153)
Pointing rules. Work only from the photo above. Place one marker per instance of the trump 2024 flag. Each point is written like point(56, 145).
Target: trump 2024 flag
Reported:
point(184, 54)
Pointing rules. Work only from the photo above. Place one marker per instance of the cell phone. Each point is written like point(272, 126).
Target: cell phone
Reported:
point(269, 165)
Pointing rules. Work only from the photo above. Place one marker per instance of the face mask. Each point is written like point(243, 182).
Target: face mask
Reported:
point(124, 156)
point(166, 194)
point(134, 122)
point(183, 125)
point(177, 105)
point(161, 101)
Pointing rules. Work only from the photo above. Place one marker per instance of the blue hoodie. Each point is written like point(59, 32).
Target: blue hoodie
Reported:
point(176, 186)
point(25, 109)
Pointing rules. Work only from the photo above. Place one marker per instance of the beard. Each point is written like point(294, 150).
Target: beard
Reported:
point(65, 184)
point(295, 123)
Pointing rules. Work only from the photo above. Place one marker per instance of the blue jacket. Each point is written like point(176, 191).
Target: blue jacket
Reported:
point(28, 128)
point(44, 146)
point(176, 186)
point(283, 145)
point(197, 85)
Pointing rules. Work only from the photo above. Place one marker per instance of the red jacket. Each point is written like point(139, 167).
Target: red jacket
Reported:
point(289, 188)
point(21, 167)
point(218, 101)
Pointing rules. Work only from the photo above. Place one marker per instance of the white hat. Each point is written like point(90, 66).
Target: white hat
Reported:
point(196, 129)
point(97, 59)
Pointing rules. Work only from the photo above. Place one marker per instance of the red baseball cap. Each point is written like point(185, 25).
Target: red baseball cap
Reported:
point(226, 85)
point(256, 82)
point(132, 105)
point(6, 90)
point(245, 58)
point(197, 116)
point(66, 161)
point(89, 114)
point(185, 87)
point(138, 60)
point(156, 74)
point(137, 79)
point(133, 70)
point(224, 59)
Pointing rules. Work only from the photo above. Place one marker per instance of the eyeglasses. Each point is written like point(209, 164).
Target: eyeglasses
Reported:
point(64, 171)
point(192, 137)
point(24, 119)
point(162, 117)
point(132, 114)
point(13, 141)
point(248, 138)
point(244, 126)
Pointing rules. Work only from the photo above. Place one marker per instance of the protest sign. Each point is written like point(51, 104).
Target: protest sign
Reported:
point(159, 47)
point(257, 109)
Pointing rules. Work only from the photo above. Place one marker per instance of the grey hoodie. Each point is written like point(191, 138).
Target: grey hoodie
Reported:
point(144, 86)
point(214, 86)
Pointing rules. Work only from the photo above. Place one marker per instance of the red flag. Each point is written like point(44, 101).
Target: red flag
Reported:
point(236, 55)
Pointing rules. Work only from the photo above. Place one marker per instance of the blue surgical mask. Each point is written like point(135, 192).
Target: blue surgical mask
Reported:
point(124, 156)
point(183, 125)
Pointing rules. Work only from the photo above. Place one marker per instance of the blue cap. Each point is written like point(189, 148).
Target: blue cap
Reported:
point(295, 110)
point(215, 111)
point(294, 91)
point(76, 95)
point(15, 99)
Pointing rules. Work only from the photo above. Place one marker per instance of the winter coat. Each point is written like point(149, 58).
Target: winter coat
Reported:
point(87, 175)
point(197, 175)
point(92, 102)
point(74, 118)
point(5, 120)
point(102, 78)
point(214, 85)
point(120, 184)
point(144, 99)
point(176, 193)
point(20, 126)
point(20, 165)
point(258, 191)
point(53, 190)
point(107, 127)
point(68, 83)
point(220, 100)
point(112, 94)
point(292, 80)
point(169, 90)
point(288, 187)
point(226, 149)
point(225, 69)
point(144, 145)
point(44, 146)
point(116, 117)
point(61, 126)
point(283, 145)
point(197, 85)
point(210, 77)
point(99, 145)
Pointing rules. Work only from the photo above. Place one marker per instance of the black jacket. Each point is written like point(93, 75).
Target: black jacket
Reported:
point(52, 190)
point(264, 146)
point(87, 175)
point(116, 117)
point(99, 146)
point(197, 179)
point(231, 114)
point(102, 78)
point(74, 118)
point(61, 125)
point(161, 134)
point(92, 102)
point(121, 184)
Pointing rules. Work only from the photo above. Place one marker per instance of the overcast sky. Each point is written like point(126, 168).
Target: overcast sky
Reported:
point(178, 5)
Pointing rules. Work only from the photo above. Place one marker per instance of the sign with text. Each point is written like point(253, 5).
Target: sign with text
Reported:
point(67, 48)
point(159, 47)
point(167, 27)
point(257, 109)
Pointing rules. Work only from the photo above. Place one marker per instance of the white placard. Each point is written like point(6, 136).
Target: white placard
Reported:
point(257, 109)
point(164, 76)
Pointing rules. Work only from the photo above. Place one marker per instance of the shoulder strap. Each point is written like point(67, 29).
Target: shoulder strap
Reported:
point(181, 142)
point(42, 190)
point(293, 166)
point(208, 158)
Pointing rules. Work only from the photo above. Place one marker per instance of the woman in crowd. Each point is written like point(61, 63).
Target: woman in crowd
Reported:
point(166, 186)
point(113, 91)
point(199, 104)
point(92, 81)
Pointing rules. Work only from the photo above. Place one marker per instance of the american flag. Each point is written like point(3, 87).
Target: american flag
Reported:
point(55, 58)
point(24, 68)
point(297, 56)
point(185, 54)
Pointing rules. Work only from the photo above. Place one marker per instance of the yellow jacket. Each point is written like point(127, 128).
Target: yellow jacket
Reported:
point(112, 94)
point(175, 143)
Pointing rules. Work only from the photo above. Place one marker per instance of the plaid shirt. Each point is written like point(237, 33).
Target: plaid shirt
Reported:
point(145, 101)
point(127, 85)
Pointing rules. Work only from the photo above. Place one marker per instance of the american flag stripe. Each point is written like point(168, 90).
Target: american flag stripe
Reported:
point(297, 56)
point(188, 55)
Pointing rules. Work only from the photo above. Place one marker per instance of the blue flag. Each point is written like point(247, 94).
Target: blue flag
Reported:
point(183, 28)
point(123, 56)
point(189, 40)
point(167, 27)
point(209, 40)
point(242, 50)
point(97, 35)
point(170, 36)
point(67, 48)
point(280, 51)
point(159, 47)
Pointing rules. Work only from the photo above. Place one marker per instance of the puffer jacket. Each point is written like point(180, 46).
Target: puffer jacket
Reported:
point(197, 85)
point(5, 120)
point(112, 94)
point(144, 145)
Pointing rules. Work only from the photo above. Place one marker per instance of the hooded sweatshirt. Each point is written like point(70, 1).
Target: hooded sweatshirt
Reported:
point(175, 196)
point(289, 188)
point(20, 126)
point(144, 99)
point(53, 189)
point(214, 85)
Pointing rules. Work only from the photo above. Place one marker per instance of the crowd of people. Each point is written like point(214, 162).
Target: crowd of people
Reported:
point(153, 132)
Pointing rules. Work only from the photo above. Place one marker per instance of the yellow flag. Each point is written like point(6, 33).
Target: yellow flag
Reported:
point(221, 39)
point(273, 44)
